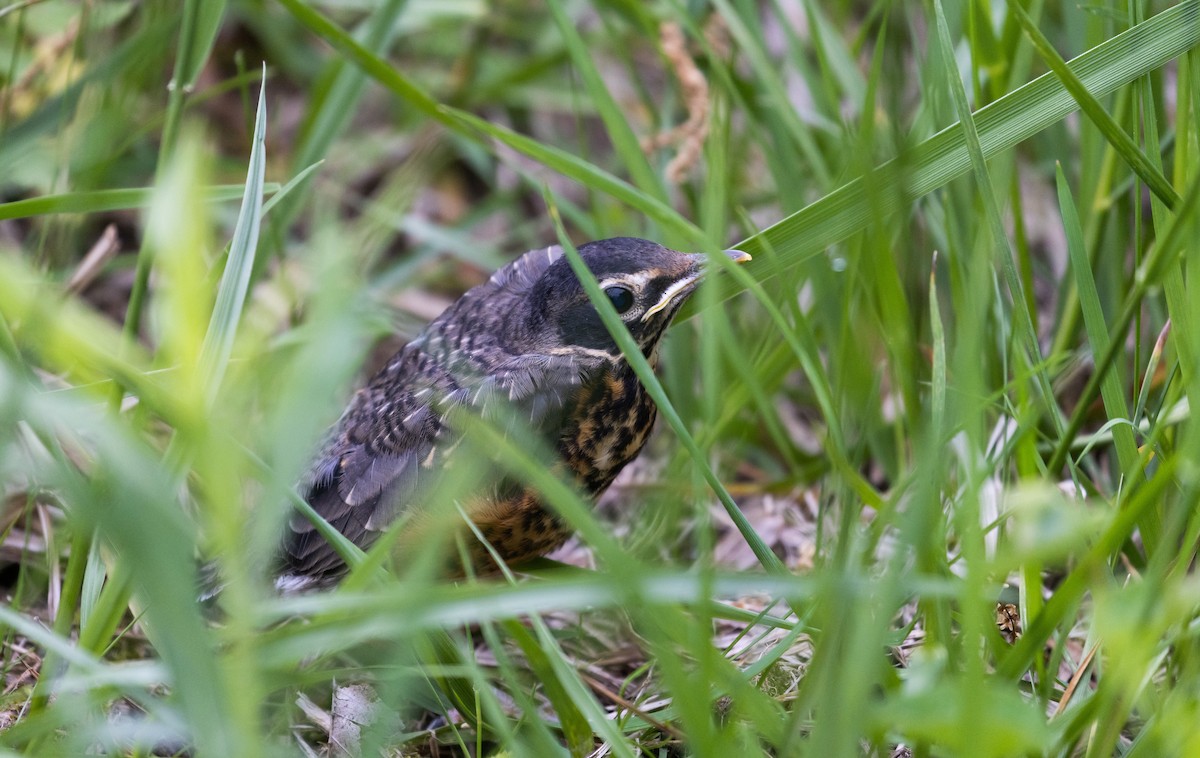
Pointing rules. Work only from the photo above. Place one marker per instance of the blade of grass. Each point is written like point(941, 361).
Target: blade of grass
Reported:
point(53, 642)
point(480, 130)
point(747, 32)
point(198, 30)
point(1126, 148)
point(1165, 252)
point(1026, 333)
point(338, 621)
point(201, 20)
point(937, 400)
point(102, 201)
point(332, 106)
point(624, 141)
point(235, 281)
point(1093, 318)
point(1000, 125)
point(546, 661)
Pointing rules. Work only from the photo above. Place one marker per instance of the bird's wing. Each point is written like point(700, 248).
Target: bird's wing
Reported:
point(378, 466)
point(380, 456)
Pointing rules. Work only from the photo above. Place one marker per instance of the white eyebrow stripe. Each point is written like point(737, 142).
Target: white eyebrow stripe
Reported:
point(636, 280)
point(669, 294)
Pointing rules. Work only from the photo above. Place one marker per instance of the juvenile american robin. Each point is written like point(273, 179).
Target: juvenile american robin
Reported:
point(528, 339)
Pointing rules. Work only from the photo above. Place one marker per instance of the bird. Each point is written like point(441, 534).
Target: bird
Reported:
point(528, 341)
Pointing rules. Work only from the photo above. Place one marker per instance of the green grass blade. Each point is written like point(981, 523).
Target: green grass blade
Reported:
point(1166, 252)
point(1000, 125)
point(1120, 140)
point(239, 266)
point(1093, 318)
point(543, 655)
point(102, 201)
point(937, 401)
point(332, 107)
point(476, 128)
point(1026, 332)
point(625, 142)
point(743, 27)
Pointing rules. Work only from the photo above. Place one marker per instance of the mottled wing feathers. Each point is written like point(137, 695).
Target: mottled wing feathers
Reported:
point(371, 463)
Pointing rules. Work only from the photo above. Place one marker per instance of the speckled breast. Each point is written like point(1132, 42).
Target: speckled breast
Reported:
point(608, 424)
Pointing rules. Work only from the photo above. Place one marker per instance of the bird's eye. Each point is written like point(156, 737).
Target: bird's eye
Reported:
point(621, 298)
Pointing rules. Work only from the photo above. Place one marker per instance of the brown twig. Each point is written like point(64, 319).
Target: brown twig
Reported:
point(621, 702)
point(89, 268)
point(1076, 678)
point(689, 135)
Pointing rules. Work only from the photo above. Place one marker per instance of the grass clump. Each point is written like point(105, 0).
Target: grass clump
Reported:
point(925, 479)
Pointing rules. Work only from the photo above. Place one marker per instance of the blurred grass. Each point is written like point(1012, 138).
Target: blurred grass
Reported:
point(941, 384)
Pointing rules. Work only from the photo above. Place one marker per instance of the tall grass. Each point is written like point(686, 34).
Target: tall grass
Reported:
point(926, 474)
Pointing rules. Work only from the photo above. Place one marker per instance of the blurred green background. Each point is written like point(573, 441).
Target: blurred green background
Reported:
point(925, 479)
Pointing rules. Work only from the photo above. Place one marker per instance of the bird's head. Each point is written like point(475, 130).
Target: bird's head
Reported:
point(645, 282)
